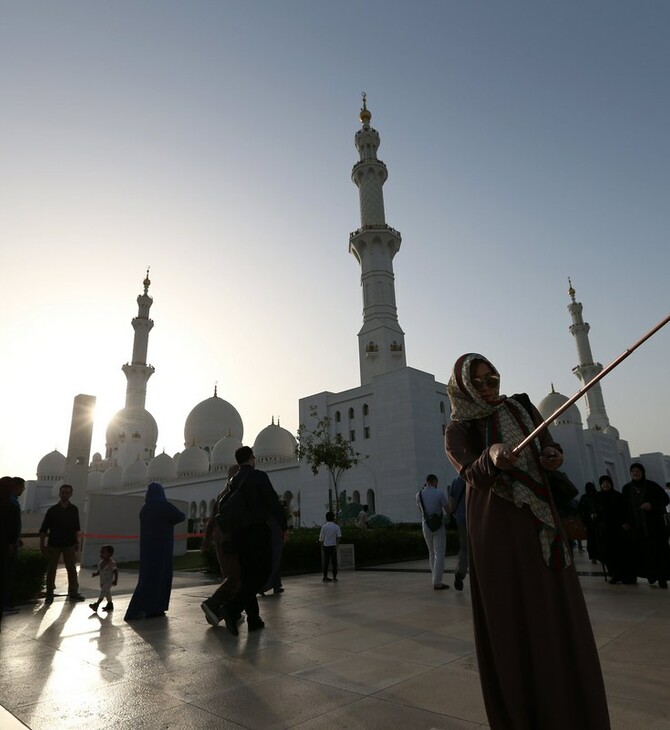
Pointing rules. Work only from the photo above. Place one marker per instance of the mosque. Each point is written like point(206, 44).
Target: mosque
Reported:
point(395, 417)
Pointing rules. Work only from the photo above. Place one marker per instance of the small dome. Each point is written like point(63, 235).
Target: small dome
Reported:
point(551, 403)
point(162, 468)
point(112, 478)
point(613, 432)
point(96, 457)
point(135, 474)
point(94, 481)
point(193, 461)
point(223, 453)
point(51, 466)
point(210, 421)
point(273, 444)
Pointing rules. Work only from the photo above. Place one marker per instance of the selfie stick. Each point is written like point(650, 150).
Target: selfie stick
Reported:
point(589, 385)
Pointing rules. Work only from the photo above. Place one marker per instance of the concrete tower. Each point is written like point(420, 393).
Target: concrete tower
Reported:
point(596, 415)
point(381, 341)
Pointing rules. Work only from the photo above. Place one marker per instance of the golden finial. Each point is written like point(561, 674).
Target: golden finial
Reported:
point(216, 385)
point(146, 282)
point(365, 116)
point(571, 291)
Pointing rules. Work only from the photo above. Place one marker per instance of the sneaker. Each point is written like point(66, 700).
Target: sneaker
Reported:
point(75, 597)
point(48, 599)
point(210, 615)
point(94, 606)
point(255, 625)
point(327, 580)
point(277, 590)
point(442, 587)
point(230, 621)
point(458, 582)
point(108, 607)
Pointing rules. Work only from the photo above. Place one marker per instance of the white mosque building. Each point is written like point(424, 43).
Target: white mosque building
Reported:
point(396, 416)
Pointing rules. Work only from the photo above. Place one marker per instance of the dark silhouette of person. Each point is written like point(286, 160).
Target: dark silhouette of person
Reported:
point(644, 504)
point(158, 517)
point(613, 542)
point(252, 538)
point(587, 514)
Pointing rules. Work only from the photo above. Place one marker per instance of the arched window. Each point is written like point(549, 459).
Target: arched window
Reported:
point(366, 410)
point(441, 406)
point(337, 416)
point(351, 413)
point(192, 511)
point(356, 496)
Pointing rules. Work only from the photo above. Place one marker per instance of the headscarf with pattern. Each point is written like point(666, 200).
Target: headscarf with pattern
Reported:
point(508, 421)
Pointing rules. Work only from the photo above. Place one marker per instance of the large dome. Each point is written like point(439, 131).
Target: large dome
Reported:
point(162, 469)
point(210, 421)
point(551, 403)
point(192, 462)
point(223, 453)
point(274, 444)
point(132, 423)
point(51, 467)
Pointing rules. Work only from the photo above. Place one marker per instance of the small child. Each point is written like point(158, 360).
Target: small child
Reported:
point(109, 575)
point(329, 537)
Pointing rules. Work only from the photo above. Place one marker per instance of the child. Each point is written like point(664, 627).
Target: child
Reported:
point(109, 575)
point(330, 538)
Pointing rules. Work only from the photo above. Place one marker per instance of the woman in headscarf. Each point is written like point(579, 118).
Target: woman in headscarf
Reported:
point(613, 543)
point(644, 504)
point(154, 585)
point(537, 658)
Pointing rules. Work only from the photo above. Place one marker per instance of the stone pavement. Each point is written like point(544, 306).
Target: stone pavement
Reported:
point(378, 650)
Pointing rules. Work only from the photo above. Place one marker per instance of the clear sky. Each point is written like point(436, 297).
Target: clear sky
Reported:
point(213, 141)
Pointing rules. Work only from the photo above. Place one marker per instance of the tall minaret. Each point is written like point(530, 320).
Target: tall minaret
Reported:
point(137, 371)
point(596, 415)
point(381, 342)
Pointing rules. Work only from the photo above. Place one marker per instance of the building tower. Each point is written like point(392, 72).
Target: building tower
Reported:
point(137, 371)
point(381, 341)
point(132, 433)
point(596, 415)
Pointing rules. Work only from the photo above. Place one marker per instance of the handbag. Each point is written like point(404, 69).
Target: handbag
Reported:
point(433, 522)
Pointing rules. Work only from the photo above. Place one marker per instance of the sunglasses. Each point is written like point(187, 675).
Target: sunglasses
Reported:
point(488, 381)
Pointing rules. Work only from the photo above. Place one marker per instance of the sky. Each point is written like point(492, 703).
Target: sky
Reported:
point(526, 143)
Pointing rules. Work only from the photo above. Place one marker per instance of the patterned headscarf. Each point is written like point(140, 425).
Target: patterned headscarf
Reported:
point(508, 421)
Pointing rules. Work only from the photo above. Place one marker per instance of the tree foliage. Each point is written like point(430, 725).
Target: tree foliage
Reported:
point(320, 447)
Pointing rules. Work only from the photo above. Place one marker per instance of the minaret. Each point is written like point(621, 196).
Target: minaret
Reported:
point(596, 415)
point(138, 372)
point(381, 342)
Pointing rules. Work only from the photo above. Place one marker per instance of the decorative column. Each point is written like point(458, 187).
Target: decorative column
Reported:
point(137, 371)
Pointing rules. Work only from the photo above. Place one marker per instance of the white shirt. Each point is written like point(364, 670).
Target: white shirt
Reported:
point(329, 534)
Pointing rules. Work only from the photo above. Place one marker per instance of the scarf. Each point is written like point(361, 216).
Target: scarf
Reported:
point(508, 421)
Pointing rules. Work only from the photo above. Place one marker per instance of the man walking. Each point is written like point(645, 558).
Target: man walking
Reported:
point(61, 527)
point(432, 502)
point(456, 494)
point(251, 503)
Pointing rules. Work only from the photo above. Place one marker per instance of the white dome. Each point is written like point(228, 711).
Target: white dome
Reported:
point(548, 405)
point(162, 468)
point(210, 421)
point(51, 466)
point(94, 480)
point(112, 478)
point(132, 423)
point(612, 431)
point(193, 461)
point(96, 457)
point(223, 453)
point(135, 474)
point(273, 444)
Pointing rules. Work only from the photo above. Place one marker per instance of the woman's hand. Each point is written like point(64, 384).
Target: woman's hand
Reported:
point(551, 458)
point(502, 457)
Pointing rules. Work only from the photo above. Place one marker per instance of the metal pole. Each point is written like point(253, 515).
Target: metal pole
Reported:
point(589, 385)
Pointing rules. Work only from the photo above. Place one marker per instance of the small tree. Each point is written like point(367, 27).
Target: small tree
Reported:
point(320, 447)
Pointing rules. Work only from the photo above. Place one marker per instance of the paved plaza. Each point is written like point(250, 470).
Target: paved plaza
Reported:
point(378, 650)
